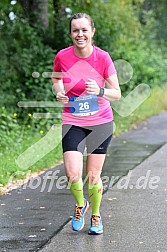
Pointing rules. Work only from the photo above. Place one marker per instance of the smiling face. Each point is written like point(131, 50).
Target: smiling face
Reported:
point(81, 33)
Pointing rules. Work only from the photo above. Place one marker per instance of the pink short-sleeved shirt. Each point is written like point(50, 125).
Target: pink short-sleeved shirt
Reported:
point(75, 72)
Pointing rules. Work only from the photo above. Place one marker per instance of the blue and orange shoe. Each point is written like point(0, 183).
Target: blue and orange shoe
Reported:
point(96, 225)
point(78, 221)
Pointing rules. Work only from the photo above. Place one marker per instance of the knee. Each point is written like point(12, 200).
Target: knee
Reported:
point(73, 178)
point(94, 178)
point(72, 174)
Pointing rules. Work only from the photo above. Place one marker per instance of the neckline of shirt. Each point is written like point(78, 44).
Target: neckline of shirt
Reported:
point(86, 58)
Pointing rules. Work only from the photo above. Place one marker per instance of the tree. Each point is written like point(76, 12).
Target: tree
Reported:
point(157, 10)
point(37, 12)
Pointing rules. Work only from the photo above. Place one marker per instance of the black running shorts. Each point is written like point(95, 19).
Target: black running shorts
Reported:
point(95, 138)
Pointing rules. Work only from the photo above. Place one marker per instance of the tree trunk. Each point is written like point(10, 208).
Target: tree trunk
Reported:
point(37, 12)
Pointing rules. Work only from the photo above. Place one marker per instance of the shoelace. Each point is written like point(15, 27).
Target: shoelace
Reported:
point(95, 220)
point(77, 213)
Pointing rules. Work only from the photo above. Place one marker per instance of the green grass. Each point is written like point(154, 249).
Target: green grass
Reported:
point(29, 149)
point(154, 104)
point(37, 143)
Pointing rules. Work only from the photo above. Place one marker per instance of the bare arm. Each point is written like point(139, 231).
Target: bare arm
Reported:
point(111, 93)
point(59, 89)
point(57, 84)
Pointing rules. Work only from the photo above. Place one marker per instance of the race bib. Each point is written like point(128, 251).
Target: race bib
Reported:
point(84, 105)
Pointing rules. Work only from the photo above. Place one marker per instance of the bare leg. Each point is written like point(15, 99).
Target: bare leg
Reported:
point(94, 167)
point(73, 162)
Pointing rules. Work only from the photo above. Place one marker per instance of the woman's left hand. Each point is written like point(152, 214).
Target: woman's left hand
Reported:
point(92, 87)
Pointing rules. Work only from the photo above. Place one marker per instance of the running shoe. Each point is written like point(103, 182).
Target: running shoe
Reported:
point(96, 225)
point(78, 221)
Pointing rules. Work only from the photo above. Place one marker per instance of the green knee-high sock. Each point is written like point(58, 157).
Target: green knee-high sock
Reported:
point(77, 191)
point(95, 195)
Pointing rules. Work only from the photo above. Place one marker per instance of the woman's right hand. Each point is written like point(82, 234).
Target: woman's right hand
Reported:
point(61, 97)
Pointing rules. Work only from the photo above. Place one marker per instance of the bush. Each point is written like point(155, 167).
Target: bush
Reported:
point(148, 63)
point(9, 129)
point(19, 59)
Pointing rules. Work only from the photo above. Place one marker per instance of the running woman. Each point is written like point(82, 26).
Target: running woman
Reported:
point(85, 82)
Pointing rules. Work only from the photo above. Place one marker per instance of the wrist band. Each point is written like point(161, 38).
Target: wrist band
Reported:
point(101, 93)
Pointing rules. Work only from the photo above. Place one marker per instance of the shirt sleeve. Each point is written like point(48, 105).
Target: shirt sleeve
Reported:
point(109, 67)
point(56, 64)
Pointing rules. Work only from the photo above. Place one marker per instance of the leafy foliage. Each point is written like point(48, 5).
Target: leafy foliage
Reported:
point(157, 11)
point(22, 53)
